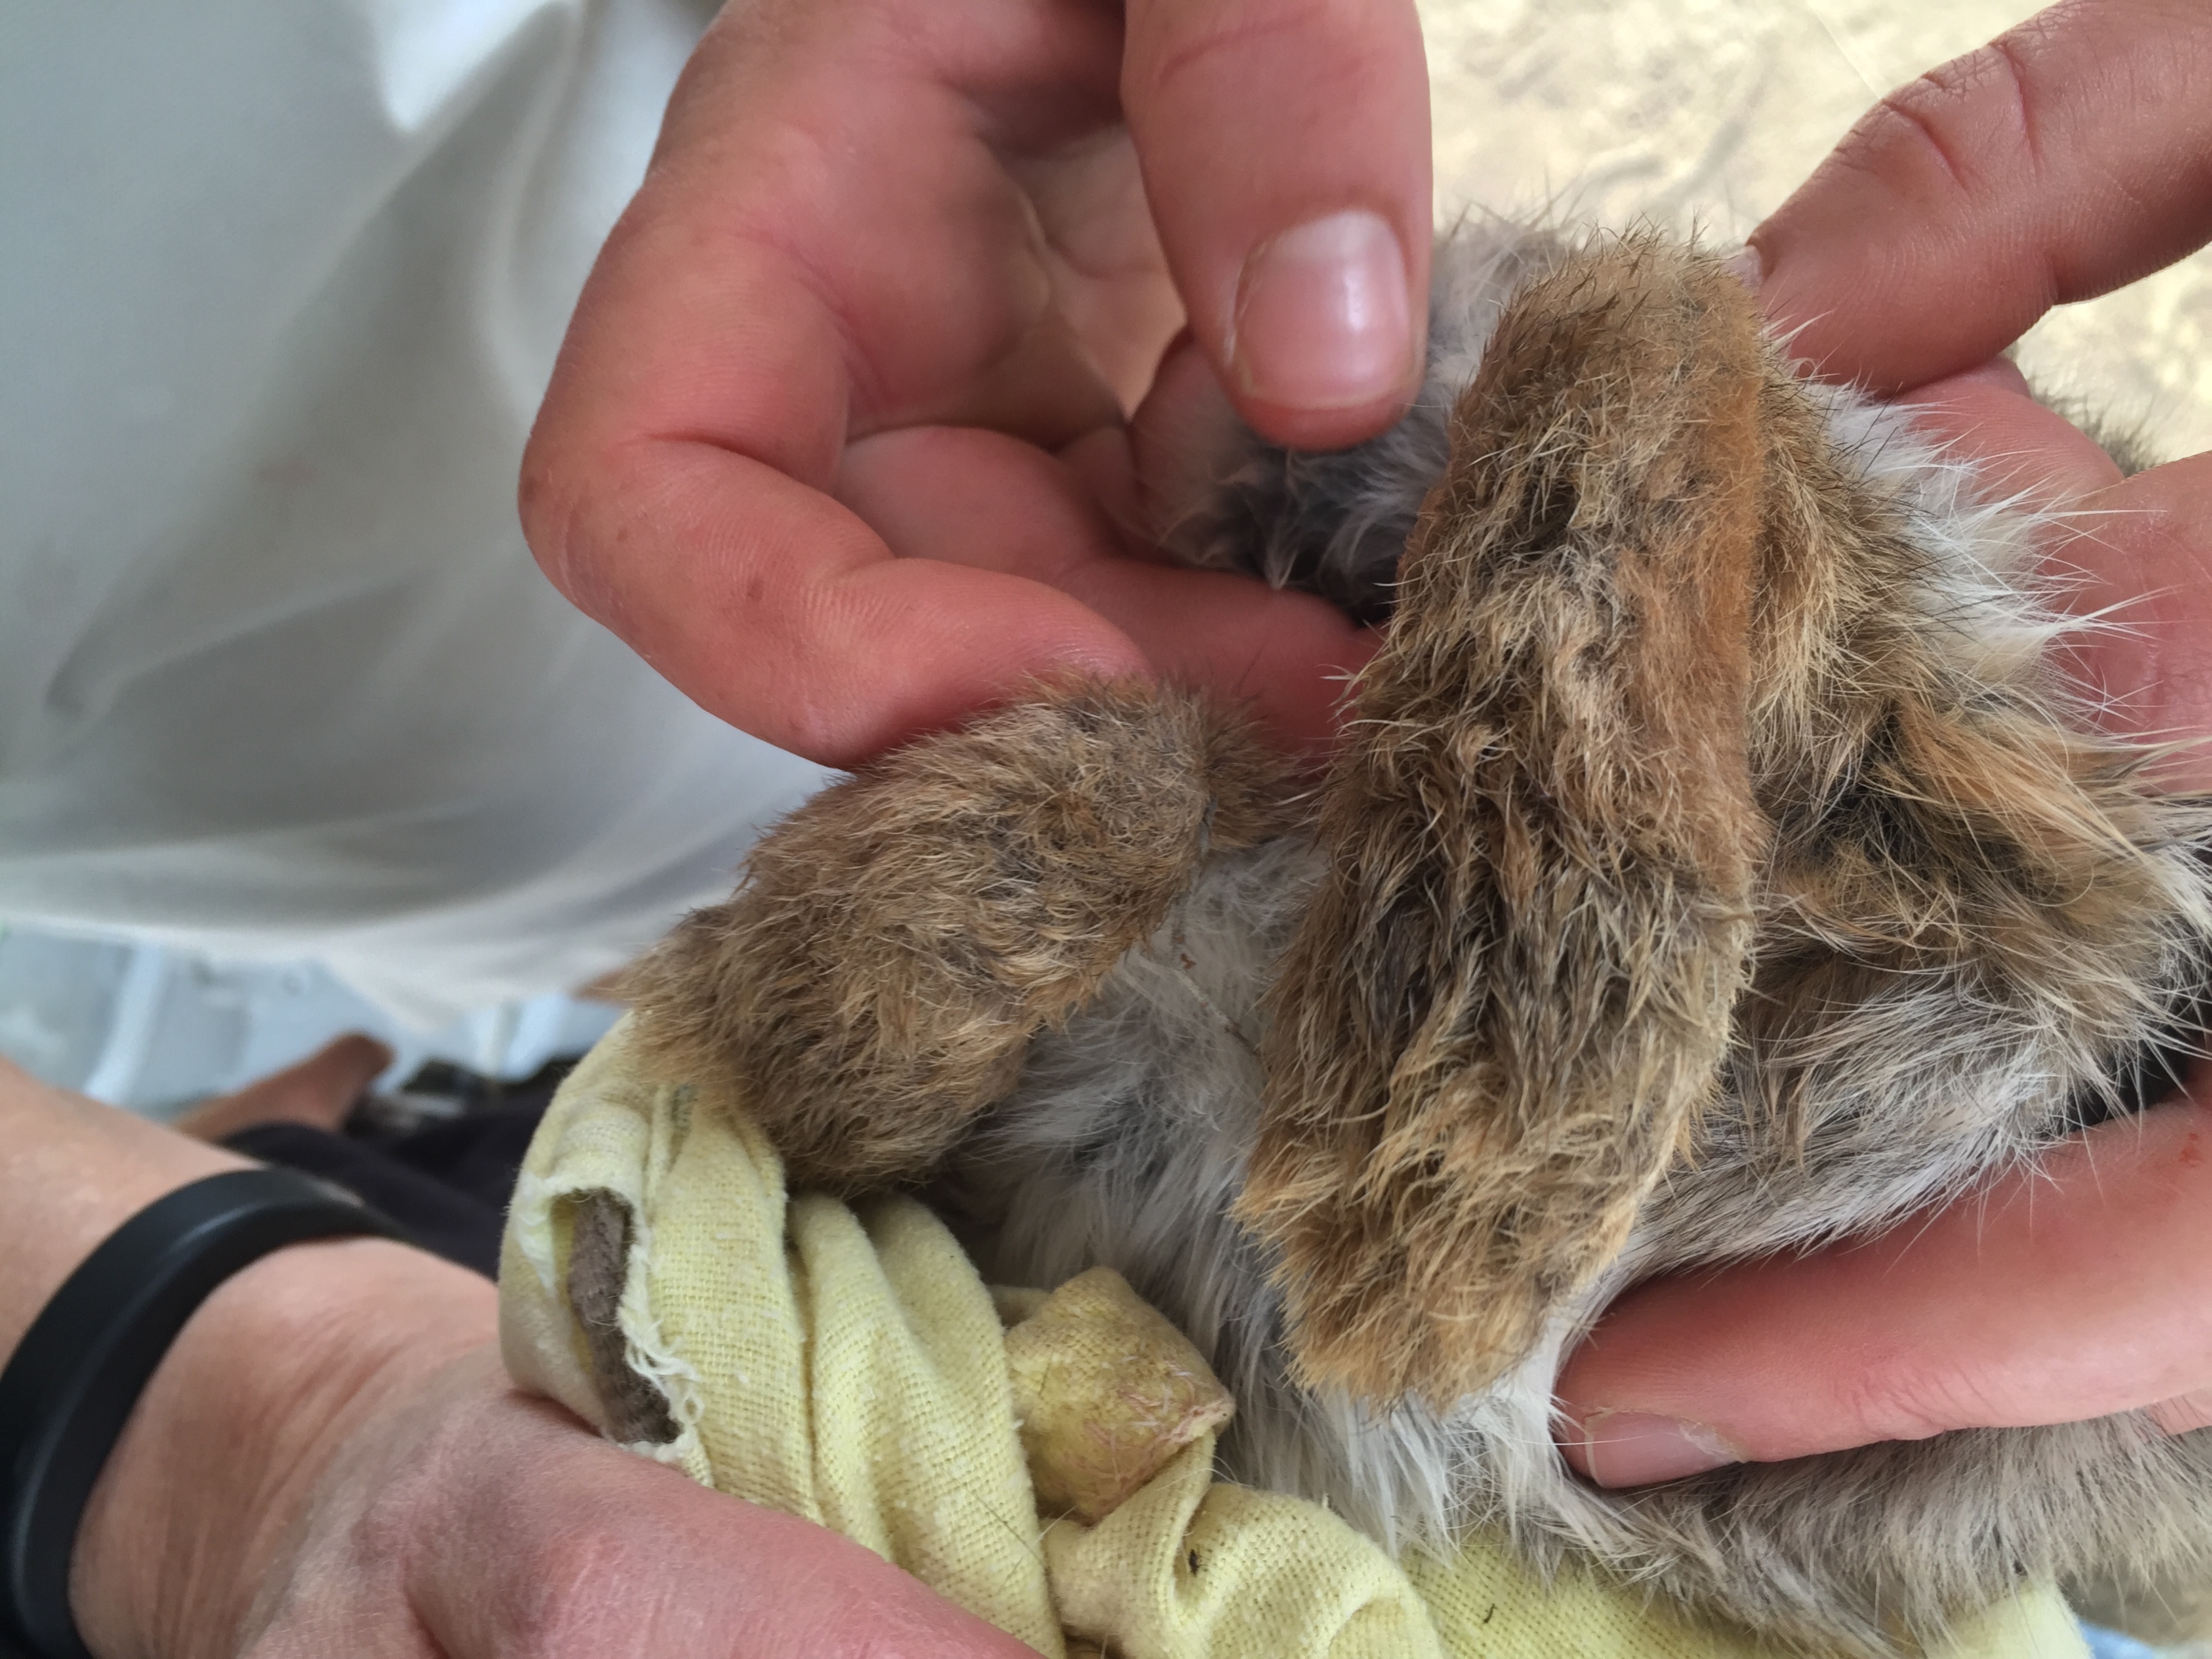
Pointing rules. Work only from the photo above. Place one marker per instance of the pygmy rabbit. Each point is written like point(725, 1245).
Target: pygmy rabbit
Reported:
point(1714, 865)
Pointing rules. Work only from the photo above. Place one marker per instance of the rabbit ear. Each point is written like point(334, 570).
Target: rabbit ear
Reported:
point(1513, 992)
point(900, 938)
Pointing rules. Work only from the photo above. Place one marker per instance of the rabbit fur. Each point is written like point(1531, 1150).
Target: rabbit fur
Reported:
point(1715, 865)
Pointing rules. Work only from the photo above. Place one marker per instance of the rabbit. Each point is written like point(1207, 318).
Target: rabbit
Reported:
point(1715, 864)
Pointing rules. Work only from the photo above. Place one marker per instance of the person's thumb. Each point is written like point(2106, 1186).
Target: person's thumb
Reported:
point(1285, 153)
point(2074, 1289)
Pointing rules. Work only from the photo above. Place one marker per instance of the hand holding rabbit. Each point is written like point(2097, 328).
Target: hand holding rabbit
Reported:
point(1954, 216)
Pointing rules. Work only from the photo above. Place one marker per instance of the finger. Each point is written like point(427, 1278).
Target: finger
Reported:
point(319, 1091)
point(827, 245)
point(2071, 1291)
point(594, 1551)
point(776, 609)
point(1184, 440)
point(2140, 563)
point(2183, 1412)
point(2020, 449)
point(2135, 559)
point(1286, 151)
point(2068, 158)
point(968, 496)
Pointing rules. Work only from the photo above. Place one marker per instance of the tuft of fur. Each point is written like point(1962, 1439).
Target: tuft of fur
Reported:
point(1510, 997)
point(897, 941)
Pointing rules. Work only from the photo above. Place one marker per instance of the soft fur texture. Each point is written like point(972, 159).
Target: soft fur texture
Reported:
point(899, 939)
point(1510, 998)
point(1714, 867)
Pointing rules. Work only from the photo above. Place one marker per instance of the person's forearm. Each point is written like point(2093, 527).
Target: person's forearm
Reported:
point(75, 1171)
point(262, 1384)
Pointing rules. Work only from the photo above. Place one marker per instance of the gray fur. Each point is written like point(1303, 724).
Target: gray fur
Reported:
point(1124, 1146)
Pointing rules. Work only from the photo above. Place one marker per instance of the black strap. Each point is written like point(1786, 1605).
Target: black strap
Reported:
point(79, 1370)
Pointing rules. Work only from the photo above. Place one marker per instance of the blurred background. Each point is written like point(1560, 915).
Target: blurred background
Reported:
point(157, 1028)
point(1703, 115)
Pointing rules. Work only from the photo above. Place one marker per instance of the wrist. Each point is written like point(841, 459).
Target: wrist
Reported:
point(222, 1458)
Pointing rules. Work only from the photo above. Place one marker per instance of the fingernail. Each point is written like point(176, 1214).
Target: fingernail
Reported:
point(1634, 1448)
point(1746, 266)
point(1321, 320)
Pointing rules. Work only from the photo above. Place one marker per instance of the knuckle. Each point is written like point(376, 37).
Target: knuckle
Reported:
point(576, 510)
point(1908, 1400)
point(569, 1596)
point(1978, 116)
point(1325, 43)
point(549, 494)
point(540, 502)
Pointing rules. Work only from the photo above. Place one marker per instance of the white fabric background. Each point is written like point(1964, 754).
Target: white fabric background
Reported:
point(280, 284)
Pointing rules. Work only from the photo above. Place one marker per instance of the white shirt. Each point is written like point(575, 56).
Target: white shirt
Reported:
point(281, 283)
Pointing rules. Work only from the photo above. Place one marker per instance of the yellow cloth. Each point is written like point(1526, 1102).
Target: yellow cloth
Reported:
point(846, 1364)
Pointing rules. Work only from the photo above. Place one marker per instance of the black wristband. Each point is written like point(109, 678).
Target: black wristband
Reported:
point(80, 1369)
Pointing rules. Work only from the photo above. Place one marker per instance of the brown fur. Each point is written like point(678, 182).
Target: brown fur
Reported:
point(899, 939)
point(1648, 627)
point(1511, 996)
point(1714, 868)
point(1934, 823)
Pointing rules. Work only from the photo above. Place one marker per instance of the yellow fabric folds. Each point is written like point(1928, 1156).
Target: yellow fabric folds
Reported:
point(846, 1364)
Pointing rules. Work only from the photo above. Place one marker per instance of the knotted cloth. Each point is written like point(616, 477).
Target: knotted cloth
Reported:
point(1045, 1462)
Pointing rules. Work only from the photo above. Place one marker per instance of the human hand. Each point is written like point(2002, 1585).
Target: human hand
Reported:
point(332, 1461)
point(836, 441)
point(2070, 158)
point(319, 1091)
